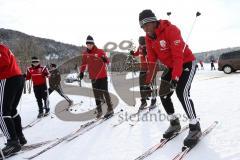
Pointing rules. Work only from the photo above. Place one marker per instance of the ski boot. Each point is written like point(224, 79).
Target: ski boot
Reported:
point(11, 148)
point(47, 111)
point(193, 136)
point(153, 104)
point(40, 115)
point(109, 113)
point(22, 140)
point(174, 128)
point(98, 112)
point(143, 104)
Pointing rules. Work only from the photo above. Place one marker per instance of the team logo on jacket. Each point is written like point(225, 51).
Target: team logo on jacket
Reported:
point(176, 42)
point(163, 44)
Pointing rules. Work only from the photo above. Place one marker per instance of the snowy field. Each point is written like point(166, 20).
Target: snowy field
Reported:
point(216, 97)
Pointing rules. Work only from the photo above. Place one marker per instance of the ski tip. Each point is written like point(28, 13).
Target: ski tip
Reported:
point(162, 139)
point(216, 122)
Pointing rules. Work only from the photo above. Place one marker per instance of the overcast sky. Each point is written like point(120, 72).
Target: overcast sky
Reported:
point(70, 21)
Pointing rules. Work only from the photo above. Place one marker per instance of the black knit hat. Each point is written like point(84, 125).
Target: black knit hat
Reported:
point(35, 59)
point(89, 40)
point(141, 40)
point(146, 16)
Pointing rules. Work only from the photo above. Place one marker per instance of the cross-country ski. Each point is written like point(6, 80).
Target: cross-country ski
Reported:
point(122, 80)
point(186, 150)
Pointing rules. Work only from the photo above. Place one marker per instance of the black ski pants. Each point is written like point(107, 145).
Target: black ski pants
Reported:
point(41, 94)
point(100, 91)
point(10, 94)
point(182, 90)
point(60, 91)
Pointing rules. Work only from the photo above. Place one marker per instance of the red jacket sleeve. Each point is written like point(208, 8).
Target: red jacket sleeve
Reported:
point(176, 45)
point(4, 58)
point(103, 54)
point(29, 76)
point(84, 63)
point(45, 72)
point(152, 58)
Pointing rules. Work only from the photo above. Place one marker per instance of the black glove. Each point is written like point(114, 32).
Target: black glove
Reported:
point(80, 76)
point(173, 84)
point(132, 52)
point(104, 59)
point(24, 75)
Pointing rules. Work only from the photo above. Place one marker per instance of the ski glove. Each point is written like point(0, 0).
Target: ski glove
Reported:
point(80, 76)
point(104, 59)
point(132, 53)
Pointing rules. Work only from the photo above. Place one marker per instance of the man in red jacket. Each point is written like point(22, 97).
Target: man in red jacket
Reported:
point(144, 92)
point(164, 43)
point(11, 88)
point(95, 59)
point(38, 74)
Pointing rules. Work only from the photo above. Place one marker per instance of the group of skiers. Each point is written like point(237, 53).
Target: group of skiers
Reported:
point(38, 74)
point(12, 81)
point(163, 42)
point(212, 61)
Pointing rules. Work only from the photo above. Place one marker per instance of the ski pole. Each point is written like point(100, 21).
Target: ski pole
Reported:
point(133, 83)
point(3, 157)
point(197, 15)
point(169, 14)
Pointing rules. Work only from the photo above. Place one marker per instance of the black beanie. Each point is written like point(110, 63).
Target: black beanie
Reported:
point(89, 40)
point(146, 16)
point(35, 59)
point(141, 40)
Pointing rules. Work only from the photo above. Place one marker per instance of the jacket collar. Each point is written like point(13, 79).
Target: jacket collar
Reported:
point(162, 25)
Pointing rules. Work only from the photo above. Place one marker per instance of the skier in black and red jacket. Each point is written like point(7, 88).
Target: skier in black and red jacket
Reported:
point(164, 43)
point(144, 92)
point(11, 88)
point(95, 60)
point(38, 74)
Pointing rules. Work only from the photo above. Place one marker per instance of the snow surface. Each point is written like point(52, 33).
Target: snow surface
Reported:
point(216, 97)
